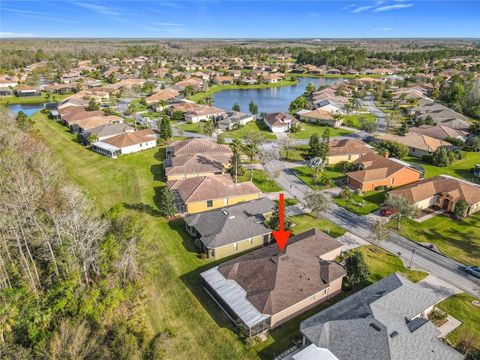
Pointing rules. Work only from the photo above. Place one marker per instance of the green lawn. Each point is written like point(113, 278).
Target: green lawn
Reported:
point(460, 307)
point(28, 100)
point(193, 127)
point(307, 222)
point(300, 153)
point(261, 180)
point(288, 201)
point(461, 169)
point(363, 204)
point(307, 175)
point(459, 240)
point(169, 260)
point(252, 126)
point(216, 88)
point(308, 129)
point(354, 120)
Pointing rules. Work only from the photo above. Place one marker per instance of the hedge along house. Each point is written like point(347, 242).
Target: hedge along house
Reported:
point(231, 230)
point(204, 193)
point(263, 289)
point(441, 191)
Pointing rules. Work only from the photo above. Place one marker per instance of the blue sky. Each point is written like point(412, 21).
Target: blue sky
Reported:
point(239, 19)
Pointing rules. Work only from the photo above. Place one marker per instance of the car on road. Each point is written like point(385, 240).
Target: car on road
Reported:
point(473, 270)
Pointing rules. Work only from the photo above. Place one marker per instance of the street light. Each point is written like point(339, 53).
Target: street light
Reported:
point(411, 259)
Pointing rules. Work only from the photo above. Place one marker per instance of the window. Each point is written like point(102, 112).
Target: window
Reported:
point(209, 203)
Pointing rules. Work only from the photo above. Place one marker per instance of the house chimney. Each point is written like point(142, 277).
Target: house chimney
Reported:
point(325, 271)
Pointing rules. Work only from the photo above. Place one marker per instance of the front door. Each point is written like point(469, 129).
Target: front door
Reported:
point(446, 203)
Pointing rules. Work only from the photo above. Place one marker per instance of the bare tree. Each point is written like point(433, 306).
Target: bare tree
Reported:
point(286, 144)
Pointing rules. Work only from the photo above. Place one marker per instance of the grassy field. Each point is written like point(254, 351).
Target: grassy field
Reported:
point(307, 175)
point(261, 180)
point(193, 127)
point(170, 262)
point(460, 307)
point(371, 202)
point(216, 88)
point(307, 222)
point(457, 239)
point(461, 169)
point(354, 120)
point(252, 126)
point(28, 100)
point(300, 153)
point(308, 129)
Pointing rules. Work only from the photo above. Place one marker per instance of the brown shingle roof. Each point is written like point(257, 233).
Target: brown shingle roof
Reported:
point(98, 120)
point(129, 139)
point(275, 280)
point(445, 185)
point(347, 146)
point(318, 114)
point(279, 119)
point(199, 146)
point(204, 188)
point(439, 131)
point(165, 95)
point(416, 141)
point(198, 163)
point(375, 167)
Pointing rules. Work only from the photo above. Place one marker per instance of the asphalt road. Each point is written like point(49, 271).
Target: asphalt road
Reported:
point(423, 258)
point(369, 104)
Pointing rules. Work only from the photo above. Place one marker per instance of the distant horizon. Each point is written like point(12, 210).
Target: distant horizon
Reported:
point(239, 38)
point(201, 19)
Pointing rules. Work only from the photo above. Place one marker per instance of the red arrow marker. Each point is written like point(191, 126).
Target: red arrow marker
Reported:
point(281, 236)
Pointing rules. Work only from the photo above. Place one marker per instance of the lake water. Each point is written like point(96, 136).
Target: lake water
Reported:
point(27, 109)
point(268, 100)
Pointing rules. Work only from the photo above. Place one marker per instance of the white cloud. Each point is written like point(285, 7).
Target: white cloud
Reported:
point(362, 9)
point(383, 29)
point(7, 34)
point(100, 9)
point(168, 24)
point(392, 7)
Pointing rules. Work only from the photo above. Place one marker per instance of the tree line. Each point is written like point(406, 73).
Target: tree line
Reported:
point(70, 283)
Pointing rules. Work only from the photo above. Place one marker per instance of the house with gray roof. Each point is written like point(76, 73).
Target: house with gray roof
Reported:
point(232, 119)
point(232, 229)
point(104, 131)
point(386, 320)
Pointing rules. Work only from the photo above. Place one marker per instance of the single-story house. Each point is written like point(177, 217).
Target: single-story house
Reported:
point(372, 171)
point(204, 193)
point(61, 88)
point(441, 191)
point(331, 104)
point(231, 119)
point(346, 150)
point(104, 131)
point(27, 91)
point(232, 229)
point(91, 122)
point(320, 116)
point(387, 320)
point(418, 144)
point(162, 95)
point(187, 166)
point(126, 143)
point(440, 132)
point(263, 289)
point(197, 146)
point(223, 80)
point(274, 78)
point(6, 91)
point(183, 107)
point(204, 113)
point(279, 122)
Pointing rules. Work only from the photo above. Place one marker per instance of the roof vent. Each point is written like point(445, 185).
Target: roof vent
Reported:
point(393, 334)
point(231, 217)
point(224, 211)
point(375, 326)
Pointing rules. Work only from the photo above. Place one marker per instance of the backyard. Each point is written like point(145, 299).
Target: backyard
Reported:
point(354, 120)
point(456, 239)
point(308, 129)
point(461, 168)
point(251, 127)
